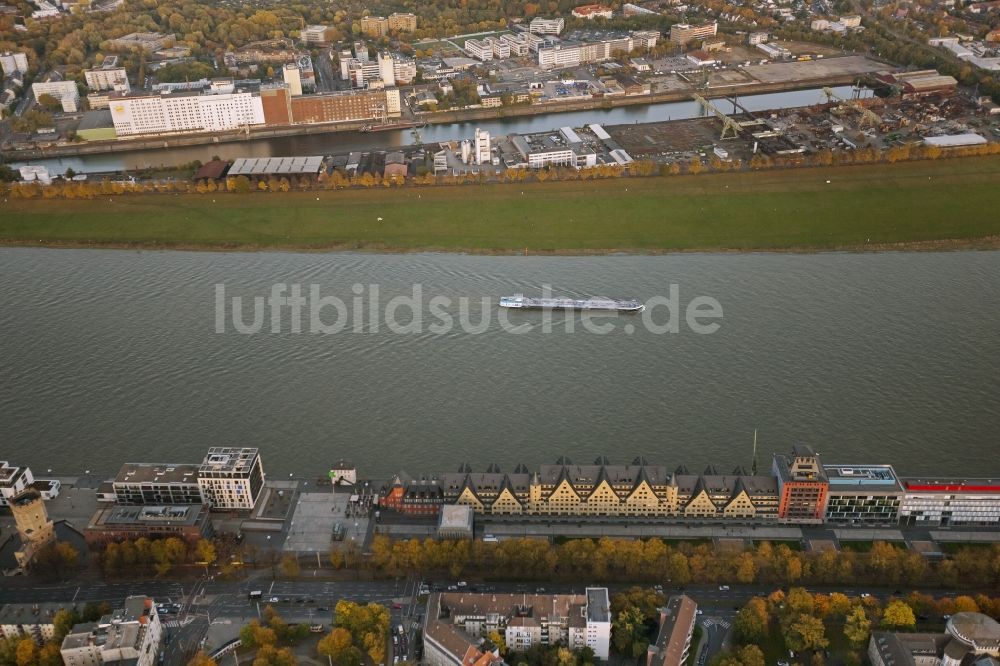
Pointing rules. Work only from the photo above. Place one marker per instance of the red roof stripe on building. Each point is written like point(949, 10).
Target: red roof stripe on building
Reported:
point(954, 488)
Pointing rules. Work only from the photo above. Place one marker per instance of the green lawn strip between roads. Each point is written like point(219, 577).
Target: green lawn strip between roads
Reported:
point(947, 200)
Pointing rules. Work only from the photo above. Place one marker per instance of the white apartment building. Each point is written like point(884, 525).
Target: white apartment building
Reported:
point(346, 58)
point(131, 634)
point(559, 56)
point(544, 26)
point(597, 631)
point(361, 73)
point(404, 71)
point(114, 78)
point(13, 63)
point(64, 91)
point(392, 102)
point(479, 49)
point(13, 480)
point(517, 44)
point(646, 39)
point(232, 478)
point(535, 42)
point(314, 34)
point(361, 51)
point(386, 70)
point(109, 76)
point(501, 48)
point(682, 33)
point(186, 111)
point(570, 56)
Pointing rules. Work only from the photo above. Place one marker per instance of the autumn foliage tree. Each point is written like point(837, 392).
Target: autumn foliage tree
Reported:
point(857, 627)
point(898, 615)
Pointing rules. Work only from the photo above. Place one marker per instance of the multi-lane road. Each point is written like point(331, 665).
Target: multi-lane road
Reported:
point(232, 596)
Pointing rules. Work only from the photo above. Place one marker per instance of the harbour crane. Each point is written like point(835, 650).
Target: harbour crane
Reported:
point(728, 124)
point(868, 117)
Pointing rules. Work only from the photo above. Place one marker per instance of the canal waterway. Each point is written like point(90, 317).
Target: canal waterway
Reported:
point(109, 356)
point(343, 142)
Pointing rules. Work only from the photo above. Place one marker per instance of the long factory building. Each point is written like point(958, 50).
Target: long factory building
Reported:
point(226, 106)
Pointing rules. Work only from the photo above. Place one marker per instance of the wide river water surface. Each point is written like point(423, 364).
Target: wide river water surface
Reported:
point(109, 356)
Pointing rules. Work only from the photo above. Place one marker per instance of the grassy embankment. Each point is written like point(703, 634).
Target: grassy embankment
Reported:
point(922, 204)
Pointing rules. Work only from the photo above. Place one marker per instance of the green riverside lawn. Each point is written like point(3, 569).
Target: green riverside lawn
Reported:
point(944, 203)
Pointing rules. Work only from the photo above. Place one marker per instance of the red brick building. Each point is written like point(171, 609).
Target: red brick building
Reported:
point(802, 486)
point(412, 496)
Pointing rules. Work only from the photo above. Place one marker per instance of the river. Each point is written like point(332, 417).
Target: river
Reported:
point(343, 142)
point(110, 356)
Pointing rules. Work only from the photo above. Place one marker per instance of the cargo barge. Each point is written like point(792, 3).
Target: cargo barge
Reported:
point(525, 303)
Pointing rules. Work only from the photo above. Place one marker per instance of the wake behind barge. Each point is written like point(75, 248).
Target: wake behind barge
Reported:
point(525, 303)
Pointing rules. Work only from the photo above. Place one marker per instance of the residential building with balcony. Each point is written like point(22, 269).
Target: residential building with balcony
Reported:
point(33, 621)
point(13, 480)
point(130, 635)
point(673, 638)
point(682, 33)
point(231, 478)
point(457, 623)
point(64, 91)
point(109, 76)
point(157, 483)
point(862, 495)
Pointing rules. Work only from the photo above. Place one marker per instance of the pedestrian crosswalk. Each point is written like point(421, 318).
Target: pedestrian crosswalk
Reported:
point(710, 622)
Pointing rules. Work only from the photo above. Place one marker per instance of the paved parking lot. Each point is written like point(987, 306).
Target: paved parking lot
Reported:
point(797, 71)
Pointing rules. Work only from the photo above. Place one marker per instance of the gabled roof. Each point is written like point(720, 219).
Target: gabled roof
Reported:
point(602, 476)
point(640, 477)
point(564, 476)
point(738, 488)
point(699, 488)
